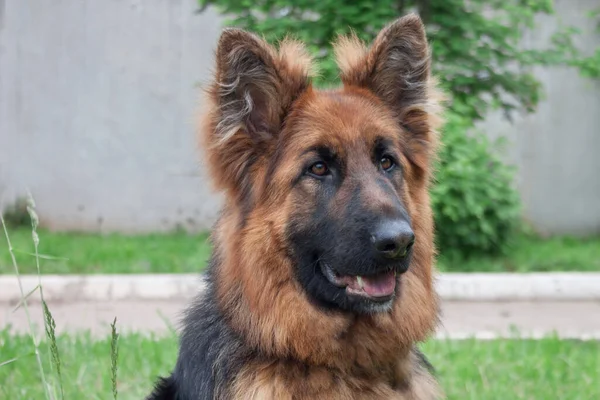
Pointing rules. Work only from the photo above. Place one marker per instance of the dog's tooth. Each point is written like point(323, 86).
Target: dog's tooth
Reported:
point(360, 281)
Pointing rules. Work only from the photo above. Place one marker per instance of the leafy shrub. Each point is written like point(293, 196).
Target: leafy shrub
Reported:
point(475, 205)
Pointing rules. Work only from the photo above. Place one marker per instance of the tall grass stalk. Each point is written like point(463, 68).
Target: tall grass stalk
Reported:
point(49, 323)
point(26, 309)
point(114, 356)
point(36, 240)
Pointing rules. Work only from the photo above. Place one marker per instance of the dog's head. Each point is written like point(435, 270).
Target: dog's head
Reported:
point(336, 180)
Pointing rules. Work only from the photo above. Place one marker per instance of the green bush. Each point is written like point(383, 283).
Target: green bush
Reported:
point(475, 205)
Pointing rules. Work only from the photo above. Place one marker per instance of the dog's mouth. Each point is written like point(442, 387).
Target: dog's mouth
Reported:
point(377, 287)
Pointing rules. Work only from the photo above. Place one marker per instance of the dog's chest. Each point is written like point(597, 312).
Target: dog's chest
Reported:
point(286, 381)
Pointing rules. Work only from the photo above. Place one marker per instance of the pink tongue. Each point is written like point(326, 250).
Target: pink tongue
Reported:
point(380, 285)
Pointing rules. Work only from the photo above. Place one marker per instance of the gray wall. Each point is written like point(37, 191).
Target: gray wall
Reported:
point(97, 111)
point(557, 149)
point(97, 102)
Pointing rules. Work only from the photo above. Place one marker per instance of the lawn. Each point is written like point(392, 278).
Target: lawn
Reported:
point(180, 252)
point(534, 254)
point(468, 369)
point(80, 253)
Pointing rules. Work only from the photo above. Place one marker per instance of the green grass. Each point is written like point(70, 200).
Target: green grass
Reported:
point(86, 366)
point(499, 369)
point(517, 369)
point(533, 254)
point(180, 252)
point(95, 253)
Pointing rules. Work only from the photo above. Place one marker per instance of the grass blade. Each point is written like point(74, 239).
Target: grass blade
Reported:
point(114, 356)
point(168, 323)
point(20, 303)
point(16, 358)
point(42, 256)
point(8, 361)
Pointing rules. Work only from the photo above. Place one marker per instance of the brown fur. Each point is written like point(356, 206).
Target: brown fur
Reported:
point(308, 352)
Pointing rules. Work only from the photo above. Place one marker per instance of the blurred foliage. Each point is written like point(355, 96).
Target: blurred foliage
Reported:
point(16, 214)
point(590, 65)
point(475, 205)
point(481, 62)
point(476, 43)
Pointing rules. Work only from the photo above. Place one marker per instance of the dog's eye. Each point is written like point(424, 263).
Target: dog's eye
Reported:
point(319, 169)
point(386, 163)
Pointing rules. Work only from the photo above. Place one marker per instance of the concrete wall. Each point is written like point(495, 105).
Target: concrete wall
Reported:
point(97, 111)
point(97, 102)
point(557, 149)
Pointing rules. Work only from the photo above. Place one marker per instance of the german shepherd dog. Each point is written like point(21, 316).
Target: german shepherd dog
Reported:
point(320, 284)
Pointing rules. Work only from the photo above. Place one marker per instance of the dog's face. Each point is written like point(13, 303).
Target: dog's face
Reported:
point(350, 232)
point(334, 176)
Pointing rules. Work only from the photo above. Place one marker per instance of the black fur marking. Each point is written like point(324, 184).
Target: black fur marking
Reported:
point(165, 389)
point(210, 353)
point(423, 361)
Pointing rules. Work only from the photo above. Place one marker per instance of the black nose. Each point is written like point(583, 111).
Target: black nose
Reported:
point(392, 239)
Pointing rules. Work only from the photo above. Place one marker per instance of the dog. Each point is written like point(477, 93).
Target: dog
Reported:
point(321, 280)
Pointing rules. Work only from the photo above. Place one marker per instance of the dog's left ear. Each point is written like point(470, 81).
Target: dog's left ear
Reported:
point(397, 69)
point(256, 82)
point(254, 87)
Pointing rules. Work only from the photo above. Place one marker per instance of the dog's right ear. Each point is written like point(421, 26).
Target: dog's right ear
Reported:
point(253, 90)
point(396, 67)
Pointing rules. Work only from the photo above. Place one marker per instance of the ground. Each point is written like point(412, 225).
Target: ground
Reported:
point(459, 319)
point(178, 252)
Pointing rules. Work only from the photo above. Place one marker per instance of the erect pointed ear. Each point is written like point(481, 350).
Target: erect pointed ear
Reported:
point(397, 69)
point(253, 89)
